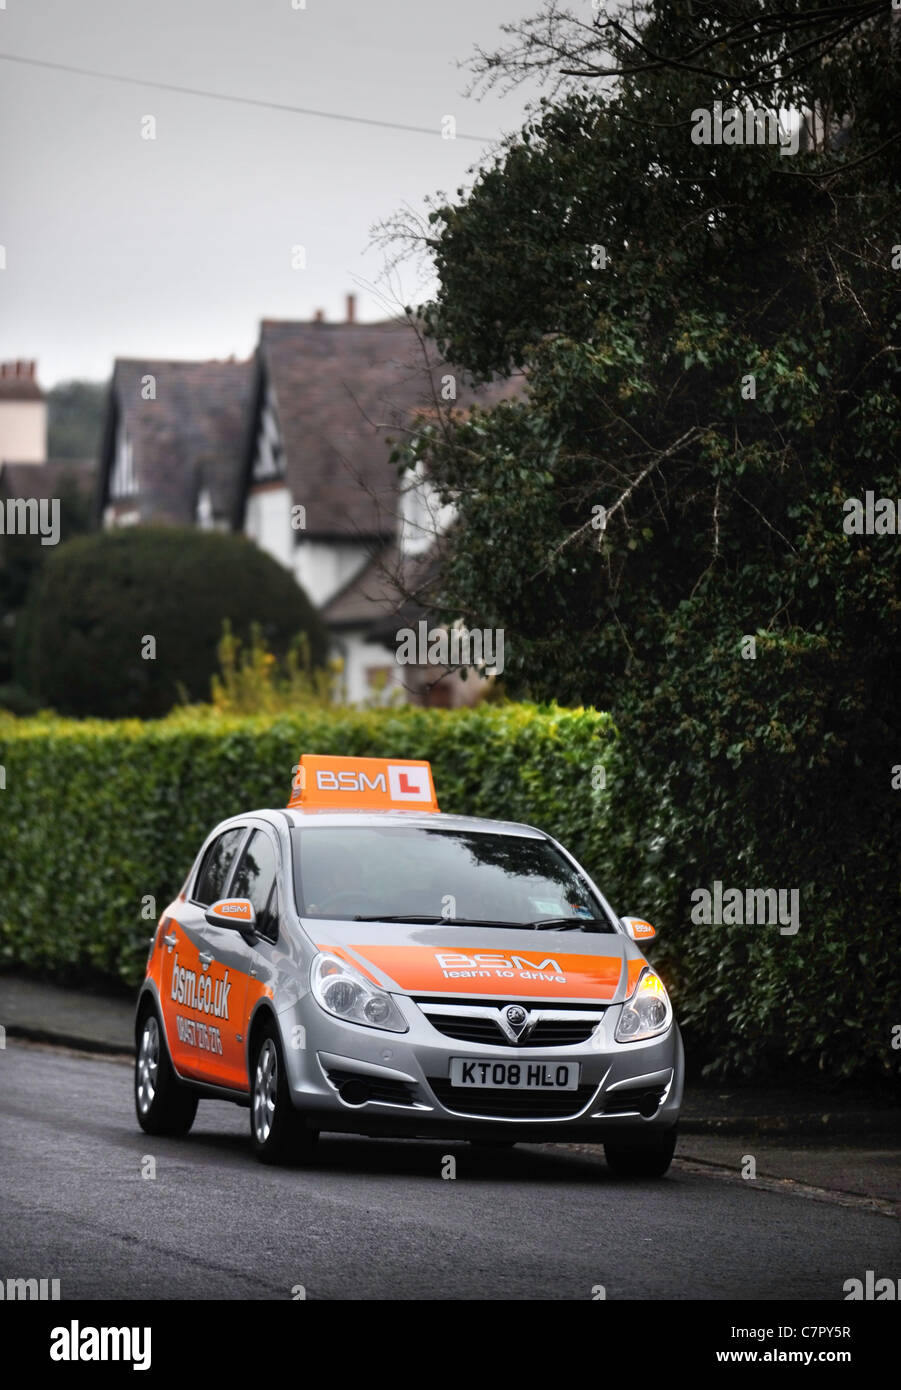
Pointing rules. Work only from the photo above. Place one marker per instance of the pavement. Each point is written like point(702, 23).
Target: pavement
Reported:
point(846, 1144)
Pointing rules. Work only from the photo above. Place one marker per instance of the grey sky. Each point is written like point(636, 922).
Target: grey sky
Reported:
point(120, 246)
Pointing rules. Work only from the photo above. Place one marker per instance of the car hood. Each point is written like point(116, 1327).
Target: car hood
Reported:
point(494, 963)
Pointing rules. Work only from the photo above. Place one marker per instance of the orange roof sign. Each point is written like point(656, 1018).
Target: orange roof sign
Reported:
point(362, 784)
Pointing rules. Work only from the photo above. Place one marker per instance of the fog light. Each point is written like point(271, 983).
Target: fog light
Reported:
point(354, 1092)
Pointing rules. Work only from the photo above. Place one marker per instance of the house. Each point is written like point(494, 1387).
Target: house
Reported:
point(23, 414)
point(292, 448)
point(173, 443)
point(30, 483)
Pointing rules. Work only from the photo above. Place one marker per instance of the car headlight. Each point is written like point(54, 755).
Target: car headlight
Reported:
point(647, 1013)
point(346, 993)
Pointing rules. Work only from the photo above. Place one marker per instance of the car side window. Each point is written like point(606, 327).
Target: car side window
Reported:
point(255, 879)
point(216, 867)
point(267, 924)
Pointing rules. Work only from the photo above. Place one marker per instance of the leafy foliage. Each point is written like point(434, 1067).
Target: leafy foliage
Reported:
point(710, 340)
point(21, 561)
point(99, 597)
point(75, 419)
point(251, 680)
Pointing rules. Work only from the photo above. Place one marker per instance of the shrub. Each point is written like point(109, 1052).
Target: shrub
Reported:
point(100, 597)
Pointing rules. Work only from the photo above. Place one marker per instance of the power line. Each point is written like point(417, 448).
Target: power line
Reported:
point(225, 96)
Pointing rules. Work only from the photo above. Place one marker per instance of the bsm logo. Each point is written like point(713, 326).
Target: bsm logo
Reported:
point(328, 781)
point(489, 960)
point(406, 783)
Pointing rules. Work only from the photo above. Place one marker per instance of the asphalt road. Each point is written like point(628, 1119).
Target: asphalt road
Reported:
point(374, 1219)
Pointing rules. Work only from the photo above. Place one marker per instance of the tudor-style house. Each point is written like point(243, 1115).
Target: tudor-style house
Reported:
point(292, 447)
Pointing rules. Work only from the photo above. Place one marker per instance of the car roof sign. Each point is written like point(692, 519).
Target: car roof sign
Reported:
point(368, 784)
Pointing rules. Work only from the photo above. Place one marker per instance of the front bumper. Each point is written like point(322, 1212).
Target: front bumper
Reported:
point(349, 1078)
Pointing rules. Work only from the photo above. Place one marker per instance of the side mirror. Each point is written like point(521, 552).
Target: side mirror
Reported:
point(236, 913)
point(638, 928)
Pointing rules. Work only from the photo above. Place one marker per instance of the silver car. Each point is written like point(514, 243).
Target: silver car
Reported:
point(400, 972)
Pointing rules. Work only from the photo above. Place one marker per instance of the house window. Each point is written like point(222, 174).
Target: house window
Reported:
point(204, 514)
point(270, 458)
point(124, 481)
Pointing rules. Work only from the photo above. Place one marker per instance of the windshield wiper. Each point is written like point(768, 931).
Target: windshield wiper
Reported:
point(451, 921)
point(399, 917)
point(543, 924)
point(567, 923)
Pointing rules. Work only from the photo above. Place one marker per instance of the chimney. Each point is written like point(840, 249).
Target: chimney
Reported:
point(319, 316)
point(351, 308)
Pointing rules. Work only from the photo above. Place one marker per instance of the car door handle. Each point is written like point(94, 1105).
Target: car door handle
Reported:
point(205, 958)
point(171, 939)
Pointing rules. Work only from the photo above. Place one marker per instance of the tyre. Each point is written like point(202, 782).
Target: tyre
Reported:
point(277, 1131)
point(632, 1161)
point(163, 1104)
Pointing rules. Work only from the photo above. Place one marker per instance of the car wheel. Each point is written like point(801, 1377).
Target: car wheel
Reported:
point(277, 1130)
point(630, 1161)
point(162, 1103)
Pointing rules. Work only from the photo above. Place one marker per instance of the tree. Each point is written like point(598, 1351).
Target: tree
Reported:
point(127, 622)
point(710, 338)
point(21, 558)
point(756, 50)
point(75, 419)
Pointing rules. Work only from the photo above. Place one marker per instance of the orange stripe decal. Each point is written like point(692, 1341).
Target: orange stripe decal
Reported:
point(474, 970)
point(351, 960)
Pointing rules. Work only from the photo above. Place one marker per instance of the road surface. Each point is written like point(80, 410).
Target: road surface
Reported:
point(375, 1219)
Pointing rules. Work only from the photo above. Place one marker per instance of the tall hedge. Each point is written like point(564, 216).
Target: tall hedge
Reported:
point(97, 816)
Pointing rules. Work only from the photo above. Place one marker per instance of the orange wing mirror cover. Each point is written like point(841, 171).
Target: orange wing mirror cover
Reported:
point(237, 913)
point(638, 928)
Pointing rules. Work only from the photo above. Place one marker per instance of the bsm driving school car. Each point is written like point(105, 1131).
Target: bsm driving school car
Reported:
point(362, 962)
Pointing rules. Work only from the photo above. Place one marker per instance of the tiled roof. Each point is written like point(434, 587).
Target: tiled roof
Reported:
point(341, 390)
point(372, 593)
point(388, 593)
point(191, 436)
point(18, 382)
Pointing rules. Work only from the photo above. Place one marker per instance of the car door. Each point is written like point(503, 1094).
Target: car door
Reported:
point(234, 958)
point(256, 878)
point(202, 992)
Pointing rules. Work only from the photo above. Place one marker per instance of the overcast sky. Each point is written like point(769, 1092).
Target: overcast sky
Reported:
point(178, 246)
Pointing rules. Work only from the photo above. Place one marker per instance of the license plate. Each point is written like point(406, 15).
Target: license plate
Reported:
point(514, 1076)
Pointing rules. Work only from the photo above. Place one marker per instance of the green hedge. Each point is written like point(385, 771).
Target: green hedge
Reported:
point(97, 816)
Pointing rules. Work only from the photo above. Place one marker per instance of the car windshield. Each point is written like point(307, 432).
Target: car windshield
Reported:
point(421, 874)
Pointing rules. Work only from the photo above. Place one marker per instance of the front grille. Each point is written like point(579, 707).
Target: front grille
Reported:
point(480, 1024)
point(510, 1105)
point(477, 1030)
point(635, 1101)
point(380, 1088)
point(553, 1032)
